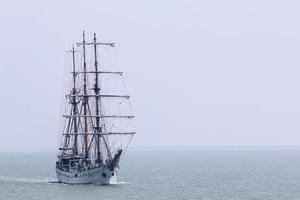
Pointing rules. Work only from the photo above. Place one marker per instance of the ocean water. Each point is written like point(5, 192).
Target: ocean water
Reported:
point(201, 175)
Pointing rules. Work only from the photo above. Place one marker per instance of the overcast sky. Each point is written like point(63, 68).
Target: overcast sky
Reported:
point(199, 72)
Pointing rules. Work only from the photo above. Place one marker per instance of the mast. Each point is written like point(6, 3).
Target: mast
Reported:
point(85, 100)
point(97, 90)
point(97, 138)
point(74, 104)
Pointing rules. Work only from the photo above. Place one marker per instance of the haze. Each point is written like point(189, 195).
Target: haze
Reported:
point(200, 73)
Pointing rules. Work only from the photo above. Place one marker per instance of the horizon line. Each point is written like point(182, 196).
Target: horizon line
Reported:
point(187, 148)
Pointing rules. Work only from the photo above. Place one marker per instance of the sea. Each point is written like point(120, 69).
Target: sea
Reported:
point(162, 175)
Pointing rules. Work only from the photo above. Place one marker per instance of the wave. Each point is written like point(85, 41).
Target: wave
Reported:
point(28, 180)
point(42, 180)
point(120, 183)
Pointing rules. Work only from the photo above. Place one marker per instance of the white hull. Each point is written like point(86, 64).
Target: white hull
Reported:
point(91, 176)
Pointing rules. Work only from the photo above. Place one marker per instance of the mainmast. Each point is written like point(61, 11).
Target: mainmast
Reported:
point(98, 127)
point(85, 100)
point(74, 103)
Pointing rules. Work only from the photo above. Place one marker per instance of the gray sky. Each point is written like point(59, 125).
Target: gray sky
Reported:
point(199, 72)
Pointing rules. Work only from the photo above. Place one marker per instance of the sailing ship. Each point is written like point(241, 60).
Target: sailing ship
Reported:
point(90, 148)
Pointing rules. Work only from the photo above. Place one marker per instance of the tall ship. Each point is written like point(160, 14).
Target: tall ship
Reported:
point(94, 134)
